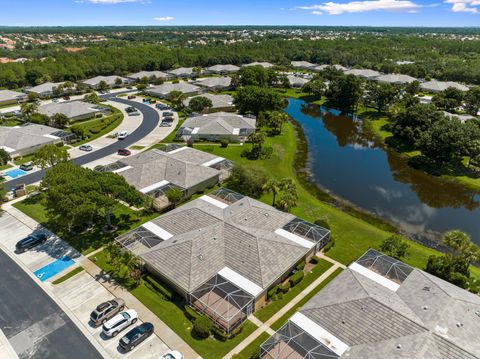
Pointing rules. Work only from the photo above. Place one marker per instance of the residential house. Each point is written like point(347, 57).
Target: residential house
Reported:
point(380, 308)
point(74, 110)
point(224, 251)
point(8, 97)
point(183, 72)
point(296, 81)
point(219, 102)
point(217, 126)
point(395, 79)
point(265, 65)
point(149, 74)
point(366, 74)
point(439, 86)
point(215, 83)
point(222, 69)
point(303, 65)
point(45, 90)
point(164, 90)
point(111, 81)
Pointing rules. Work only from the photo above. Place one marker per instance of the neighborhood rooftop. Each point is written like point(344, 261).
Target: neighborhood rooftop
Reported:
point(165, 89)
point(8, 96)
point(363, 73)
point(72, 109)
point(263, 64)
point(215, 82)
point(218, 101)
point(398, 79)
point(148, 74)
point(439, 86)
point(223, 68)
point(109, 80)
point(380, 308)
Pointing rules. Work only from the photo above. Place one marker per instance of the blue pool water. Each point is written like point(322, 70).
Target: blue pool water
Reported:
point(15, 173)
point(53, 268)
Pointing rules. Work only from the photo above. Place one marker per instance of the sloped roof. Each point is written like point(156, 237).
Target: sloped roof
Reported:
point(181, 71)
point(182, 169)
point(110, 80)
point(45, 87)
point(142, 74)
point(218, 101)
point(207, 238)
point(426, 317)
point(296, 81)
point(363, 73)
point(303, 64)
point(439, 86)
point(212, 82)
point(396, 79)
point(70, 109)
point(22, 137)
point(223, 68)
point(166, 88)
point(219, 123)
point(8, 95)
point(263, 64)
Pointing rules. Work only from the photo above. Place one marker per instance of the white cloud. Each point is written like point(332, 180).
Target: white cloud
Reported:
point(471, 6)
point(109, 2)
point(164, 18)
point(334, 8)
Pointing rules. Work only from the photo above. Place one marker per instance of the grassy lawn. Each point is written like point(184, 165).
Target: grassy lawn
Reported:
point(137, 147)
point(253, 347)
point(284, 318)
point(21, 160)
point(172, 313)
point(94, 128)
point(124, 218)
point(10, 122)
point(4, 167)
point(267, 312)
point(68, 275)
point(353, 236)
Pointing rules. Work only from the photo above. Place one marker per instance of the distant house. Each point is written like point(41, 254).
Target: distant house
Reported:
point(215, 83)
point(217, 126)
point(395, 79)
point(183, 72)
point(439, 86)
point(461, 118)
point(381, 308)
point(25, 140)
point(296, 81)
point(222, 69)
point(303, 65)
point(74, 110)
point(323, 67)
point(219, 102)
point(164, 90)
point(8, 97)
point(111, 81)
point(265, 65)
point(149, 74)
point(363, 73)
point(223, 252)
point(45, 90)
point(154, 172)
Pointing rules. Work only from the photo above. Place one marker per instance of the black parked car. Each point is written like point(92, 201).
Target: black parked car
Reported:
point(167, 114)
point(135, 336)
point(31, 241)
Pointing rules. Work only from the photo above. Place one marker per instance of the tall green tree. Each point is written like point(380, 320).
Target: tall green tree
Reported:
point(472, 101)
point(395, 246)
point(254, 99)
point(345, 92)
point(59, 120)
point(28, 110)
point(246, 180)
point(273, 186)
point(288, 194)
point(4, 157)
point(380, 95)
point(50, 155)
point(177, 98)
point(449, 99)
point(200, 103)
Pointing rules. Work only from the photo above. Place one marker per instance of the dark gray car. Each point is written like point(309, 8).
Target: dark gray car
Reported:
point(106, 310)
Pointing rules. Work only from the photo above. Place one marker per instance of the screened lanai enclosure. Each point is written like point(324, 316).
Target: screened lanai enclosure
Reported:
point(312, 232)
point(139, 240)
point(223, 302)
point(292, 342)
point(386, 266)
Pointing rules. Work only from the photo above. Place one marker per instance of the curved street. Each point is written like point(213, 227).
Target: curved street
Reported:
point(150, 121)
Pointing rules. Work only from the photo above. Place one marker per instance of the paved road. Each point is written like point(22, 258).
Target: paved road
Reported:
point(150, 122)
point(33, 323)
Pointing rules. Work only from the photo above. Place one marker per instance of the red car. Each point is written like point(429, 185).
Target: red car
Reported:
point(124, 152)
point(66, 98)
point(131, 97)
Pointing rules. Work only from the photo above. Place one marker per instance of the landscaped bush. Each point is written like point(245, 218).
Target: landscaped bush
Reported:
point(330, 244)
point(220, 334)
point(224, 143)
point(272, 292)
point(159, 288)
point(314, 260)
point(322, 223)
point(300, 266)
point(285, 288)
point(296, 278)
point(191, 313)
point(202, 327)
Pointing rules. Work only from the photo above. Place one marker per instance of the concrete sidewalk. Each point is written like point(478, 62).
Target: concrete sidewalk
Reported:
point(265, 327)
point(167, 335)
point(6, 349)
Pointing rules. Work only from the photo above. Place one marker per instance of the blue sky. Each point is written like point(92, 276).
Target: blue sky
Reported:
point(241, 12)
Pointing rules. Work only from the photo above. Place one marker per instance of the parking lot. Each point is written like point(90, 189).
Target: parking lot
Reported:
point(82, 294)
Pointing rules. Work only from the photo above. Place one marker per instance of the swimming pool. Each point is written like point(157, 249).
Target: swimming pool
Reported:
point(53, 268)
point(15, 173)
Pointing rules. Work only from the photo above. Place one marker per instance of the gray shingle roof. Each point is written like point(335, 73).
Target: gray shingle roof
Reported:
point(206, 238)
point(223, 68)
point(263, 64)
point(181, 169)
point(396, 79)
point(165, 89)
point(142, 74)
point(296, 81)
point(303, 64)
point(8, 95)
point(363, 73)
point(439, 86)
point(110, 80)
point(181, 71)
point(70, 109)
point(219, 123)
point(215, 82)
point(45, 87)
point(425, 317)
point(23, 137)
point(218, 101)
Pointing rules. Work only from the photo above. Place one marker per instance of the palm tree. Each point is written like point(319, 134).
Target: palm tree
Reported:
point(28, 109)
point(273, 186)
point(177, 98)
point(289, 195)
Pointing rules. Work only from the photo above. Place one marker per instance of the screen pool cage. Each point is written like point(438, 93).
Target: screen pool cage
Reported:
point(309, 231)
point(223, 302)
point(384, 265)
point(226, 195)
point(292, 342)
point(115, 166)
point(138, 241)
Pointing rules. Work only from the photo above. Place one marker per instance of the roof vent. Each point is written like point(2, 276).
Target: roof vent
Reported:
point(459, 325)
point(266, 214)
point(427, 289)
point(425, 307)
point(477, 313)
point(399, 346)
point(200, 257)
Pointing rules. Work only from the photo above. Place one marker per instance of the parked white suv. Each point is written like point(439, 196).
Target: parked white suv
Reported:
point(119, 322)
point(173, 354)
point(122, 135)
